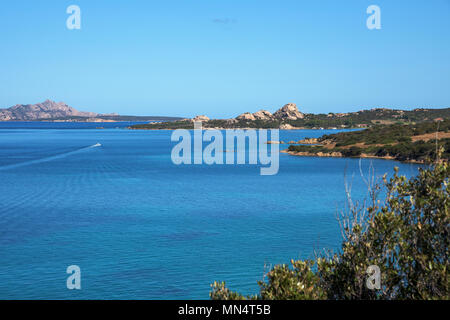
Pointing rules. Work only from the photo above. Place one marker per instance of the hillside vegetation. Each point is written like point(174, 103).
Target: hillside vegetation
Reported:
point(413, 142)
point(370, 117)
point(295, 119)
point(215, 123)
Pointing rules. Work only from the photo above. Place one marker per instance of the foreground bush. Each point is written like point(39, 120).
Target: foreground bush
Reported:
point(407, 237)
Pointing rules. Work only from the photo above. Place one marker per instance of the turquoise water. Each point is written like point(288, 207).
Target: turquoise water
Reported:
point(141, 227)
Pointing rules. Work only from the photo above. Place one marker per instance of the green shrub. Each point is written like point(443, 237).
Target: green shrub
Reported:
point(407, 237)
point(351, 152)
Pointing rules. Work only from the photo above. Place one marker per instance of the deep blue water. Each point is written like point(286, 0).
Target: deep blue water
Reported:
point(141, 227)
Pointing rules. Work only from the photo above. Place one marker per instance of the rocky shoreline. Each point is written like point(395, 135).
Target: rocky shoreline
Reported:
point(340, 155)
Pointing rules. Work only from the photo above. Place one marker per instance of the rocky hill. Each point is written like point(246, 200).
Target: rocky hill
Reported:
point(59, 111)
point(287, 112)
point(40, 111)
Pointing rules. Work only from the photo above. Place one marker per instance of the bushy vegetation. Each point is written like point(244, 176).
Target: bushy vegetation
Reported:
point(348, 120)
point(186, 124)
point(306, 148)
point(406, 236)
point(393, 141)
point(419, 150)
point(351, 152)
point(387, 134)
point(370, 117)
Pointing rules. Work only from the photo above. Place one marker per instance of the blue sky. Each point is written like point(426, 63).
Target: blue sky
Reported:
point(221, 58)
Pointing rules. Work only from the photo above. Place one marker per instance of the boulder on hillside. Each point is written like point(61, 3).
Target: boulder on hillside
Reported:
point(259, 115)
point(246, 116)
point(289, 112)
point(263, 115)
point(286, 126)
point(200, 118)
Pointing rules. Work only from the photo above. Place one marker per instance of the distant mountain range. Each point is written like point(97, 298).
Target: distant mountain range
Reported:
point(59, 111)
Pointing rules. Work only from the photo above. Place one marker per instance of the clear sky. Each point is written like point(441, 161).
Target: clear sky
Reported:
point(221, 58)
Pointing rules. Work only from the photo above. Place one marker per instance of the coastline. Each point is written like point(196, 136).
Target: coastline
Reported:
point(339, 155)
point(221, 128)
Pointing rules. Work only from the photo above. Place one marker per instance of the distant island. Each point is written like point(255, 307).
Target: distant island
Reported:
point(412, 136)
point(289, 117)
point(60, 112)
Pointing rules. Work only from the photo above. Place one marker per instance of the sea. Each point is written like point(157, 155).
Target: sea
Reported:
point(111, 201)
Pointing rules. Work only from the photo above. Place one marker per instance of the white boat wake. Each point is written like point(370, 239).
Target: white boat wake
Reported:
point(47, 159)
